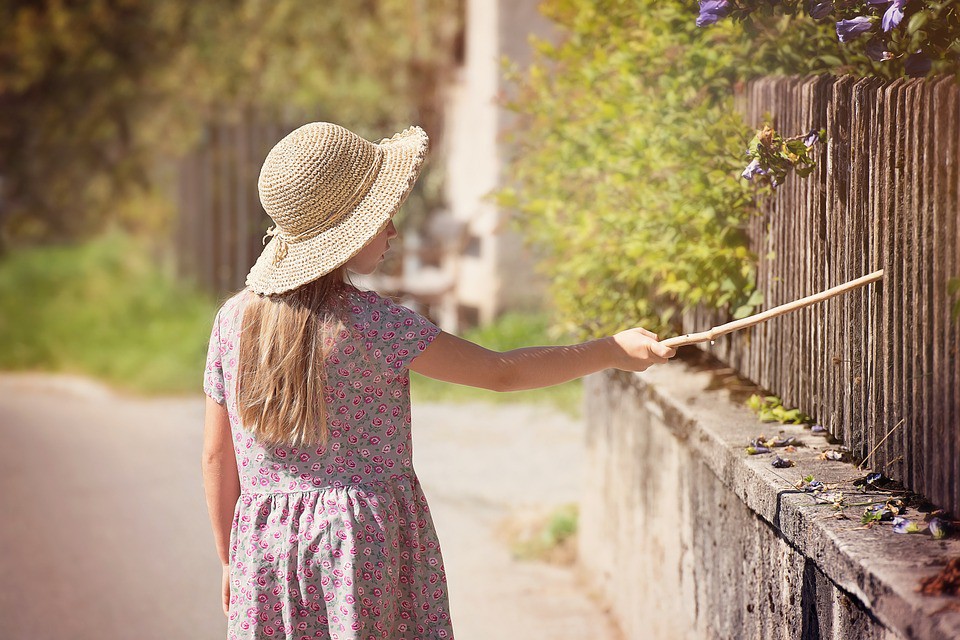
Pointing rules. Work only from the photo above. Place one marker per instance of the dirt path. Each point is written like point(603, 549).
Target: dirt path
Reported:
point(105, 536)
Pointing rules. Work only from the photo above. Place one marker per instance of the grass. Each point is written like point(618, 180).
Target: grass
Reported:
point(544, 537)
point(104, 309)
point(108, 310)
point(509, 332)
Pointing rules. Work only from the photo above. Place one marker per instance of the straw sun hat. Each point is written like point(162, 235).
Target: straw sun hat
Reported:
point(329, 192)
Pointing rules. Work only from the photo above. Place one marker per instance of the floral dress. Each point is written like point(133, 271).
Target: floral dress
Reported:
point(336, 541)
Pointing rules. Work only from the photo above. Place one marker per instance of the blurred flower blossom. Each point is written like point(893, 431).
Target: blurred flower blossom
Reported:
point(781, 463)
point(937, 528)
point(894, 13)
point(902, 525)
point(711, 11)
point(848, 30)
point(773, 158)
point(818, 428)
point(873, 480)
point(833, 454)
point(876, 50)
point(753, 169)
point(754, 450)
point(820, 10)
point(918, 65)
point(762, 442)
point(810, 485)
point(876, 513)
point(784, 442)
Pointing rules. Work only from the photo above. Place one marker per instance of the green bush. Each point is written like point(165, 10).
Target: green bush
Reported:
point(628, 155)
point(104, 309)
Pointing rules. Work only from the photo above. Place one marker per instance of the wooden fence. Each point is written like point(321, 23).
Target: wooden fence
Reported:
point(220, 221)
point(883, 360)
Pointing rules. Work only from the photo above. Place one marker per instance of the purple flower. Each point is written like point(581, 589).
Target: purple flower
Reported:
point(756, 450)
point(918, 65)
point(812, 138)
point(902, 525)
point(848, 30)
point(711, 11)
point(781, 463)
point(893, 14)
point(818, 428)
point(876, 50)
point(937, 529)
point(876, 512)
point(820, 10)
point(753, 169)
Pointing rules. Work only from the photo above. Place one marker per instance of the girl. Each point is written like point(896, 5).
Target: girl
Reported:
point(320, 522)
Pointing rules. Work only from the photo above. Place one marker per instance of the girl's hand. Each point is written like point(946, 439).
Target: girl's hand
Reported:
point(226, 590)
point(638, 349)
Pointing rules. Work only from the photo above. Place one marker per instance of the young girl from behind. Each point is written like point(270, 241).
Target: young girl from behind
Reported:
point(320, 522)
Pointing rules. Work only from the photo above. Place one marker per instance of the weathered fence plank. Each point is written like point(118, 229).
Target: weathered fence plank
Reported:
point(884, 196)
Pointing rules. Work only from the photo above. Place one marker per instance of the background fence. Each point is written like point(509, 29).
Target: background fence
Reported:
point(884, 196)
point(220, 221)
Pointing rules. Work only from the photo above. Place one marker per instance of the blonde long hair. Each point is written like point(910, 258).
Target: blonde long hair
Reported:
point(284, 341)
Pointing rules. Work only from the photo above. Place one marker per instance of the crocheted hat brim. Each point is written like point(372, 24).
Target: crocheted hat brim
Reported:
point(309, 259)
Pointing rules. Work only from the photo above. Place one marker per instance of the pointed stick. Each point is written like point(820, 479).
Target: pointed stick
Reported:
point(749, 321)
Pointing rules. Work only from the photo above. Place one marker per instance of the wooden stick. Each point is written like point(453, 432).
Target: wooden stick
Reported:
point(749, 321)
point(874, 450)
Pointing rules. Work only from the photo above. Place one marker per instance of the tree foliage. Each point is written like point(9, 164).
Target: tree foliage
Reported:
point(94, 95)
point(74, 77)
point(623, 172)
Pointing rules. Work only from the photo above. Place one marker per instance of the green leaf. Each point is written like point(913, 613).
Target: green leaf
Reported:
point(953, 286)
point(830, 61)
point(917, 21)
point(742, 311)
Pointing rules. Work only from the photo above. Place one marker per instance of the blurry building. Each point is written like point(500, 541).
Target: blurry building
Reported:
point(469, 266)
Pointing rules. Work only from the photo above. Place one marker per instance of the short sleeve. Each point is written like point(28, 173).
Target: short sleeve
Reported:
point(213, 374)
point(395, 334)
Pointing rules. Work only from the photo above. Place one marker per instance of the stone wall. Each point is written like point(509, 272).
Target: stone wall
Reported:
point(688, 537)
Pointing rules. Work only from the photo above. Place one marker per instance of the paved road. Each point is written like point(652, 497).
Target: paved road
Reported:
point(103, 529)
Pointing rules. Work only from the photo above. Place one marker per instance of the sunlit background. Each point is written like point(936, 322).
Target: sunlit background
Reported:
point(593, 167)
point(132, 136)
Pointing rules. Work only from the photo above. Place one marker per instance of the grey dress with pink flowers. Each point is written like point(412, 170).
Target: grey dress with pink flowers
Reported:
point(336, 541)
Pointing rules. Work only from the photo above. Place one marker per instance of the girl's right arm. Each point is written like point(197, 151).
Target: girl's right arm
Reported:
point(460, 361)
point(221, 482)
